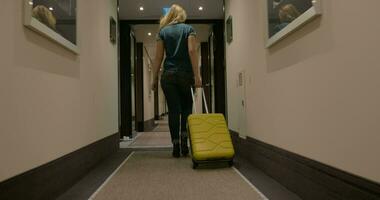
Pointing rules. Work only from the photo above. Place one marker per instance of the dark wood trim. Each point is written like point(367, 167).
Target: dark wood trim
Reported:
point(156, 104)
point(133, 70)
point(149, 125)
point(118, 70)
point(52, 179)
point(219, 68)
point(206, 75)
point(307, 178)
point(139, 84)
point(125, 127)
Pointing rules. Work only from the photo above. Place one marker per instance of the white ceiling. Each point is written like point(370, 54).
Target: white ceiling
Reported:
point(129, 9)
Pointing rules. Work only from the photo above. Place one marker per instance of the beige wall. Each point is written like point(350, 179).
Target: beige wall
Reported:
point(149, 42)
point(52, 101)
point(148, 77)
point(316, 93)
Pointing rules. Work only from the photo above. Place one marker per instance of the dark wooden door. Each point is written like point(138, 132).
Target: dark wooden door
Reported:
point(125, 124)
point(206, 75)
point(139, 84)
point(219, 68)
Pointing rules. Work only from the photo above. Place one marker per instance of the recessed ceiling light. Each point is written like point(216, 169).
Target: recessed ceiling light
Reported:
point(200, 8)
point(141, 8)
point(150, 34)
point(51, 8)
point(30, 2)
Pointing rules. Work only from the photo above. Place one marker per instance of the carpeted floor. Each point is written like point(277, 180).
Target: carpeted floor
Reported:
point(161, 128)
point(156, 175)
point(158, 137)
point(162, 125)
point(151, 139)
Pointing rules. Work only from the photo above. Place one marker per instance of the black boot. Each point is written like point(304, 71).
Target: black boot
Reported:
point(176, 150)
point(184, 146)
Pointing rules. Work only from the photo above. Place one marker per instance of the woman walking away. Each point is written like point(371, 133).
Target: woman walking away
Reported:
point(180, 72)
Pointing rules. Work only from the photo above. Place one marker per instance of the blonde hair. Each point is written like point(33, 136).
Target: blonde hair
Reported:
point(176, 14)
point(44, 15)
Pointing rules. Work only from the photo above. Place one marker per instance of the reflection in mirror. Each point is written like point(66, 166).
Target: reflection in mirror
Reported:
point(58, 15)
point(283, 12)
point(285, 16)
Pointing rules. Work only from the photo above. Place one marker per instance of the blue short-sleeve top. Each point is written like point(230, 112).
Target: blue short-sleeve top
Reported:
point(175, 39)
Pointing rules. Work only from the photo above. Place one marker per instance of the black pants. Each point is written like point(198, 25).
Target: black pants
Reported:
point(176, 86)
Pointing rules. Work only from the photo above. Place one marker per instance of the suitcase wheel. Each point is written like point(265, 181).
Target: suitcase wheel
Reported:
point(195, 165)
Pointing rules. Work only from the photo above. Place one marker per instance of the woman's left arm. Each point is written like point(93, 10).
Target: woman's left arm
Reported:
point(157, 62)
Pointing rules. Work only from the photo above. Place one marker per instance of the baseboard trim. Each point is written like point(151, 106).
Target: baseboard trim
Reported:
point(149, 125)
point(307, 178)
point(52, 179)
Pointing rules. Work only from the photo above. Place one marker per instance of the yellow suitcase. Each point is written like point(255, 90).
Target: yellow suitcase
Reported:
point(210, 140)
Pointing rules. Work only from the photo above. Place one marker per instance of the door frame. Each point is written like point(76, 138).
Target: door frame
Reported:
point(125, 87)
point(139, 85)
point(206, 75)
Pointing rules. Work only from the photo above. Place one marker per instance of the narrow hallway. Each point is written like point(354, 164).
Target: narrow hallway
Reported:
point(83, 99)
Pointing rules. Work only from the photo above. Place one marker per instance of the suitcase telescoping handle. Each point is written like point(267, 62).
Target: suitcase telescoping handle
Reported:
point(204, 99)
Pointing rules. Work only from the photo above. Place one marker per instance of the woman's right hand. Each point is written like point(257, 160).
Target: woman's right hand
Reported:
point(198, 81)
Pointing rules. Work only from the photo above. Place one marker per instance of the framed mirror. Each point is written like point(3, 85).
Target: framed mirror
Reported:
point(285, 16)
point(229, 30)
point(112, 30)
point(55, 19)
